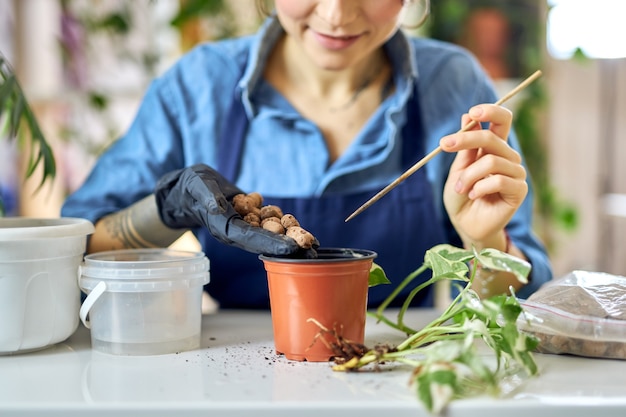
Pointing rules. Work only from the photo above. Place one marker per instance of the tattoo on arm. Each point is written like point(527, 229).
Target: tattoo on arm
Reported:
point(139, 226)
point(121, 228)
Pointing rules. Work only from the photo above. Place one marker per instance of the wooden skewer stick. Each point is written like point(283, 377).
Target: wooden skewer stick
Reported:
point(434, 152)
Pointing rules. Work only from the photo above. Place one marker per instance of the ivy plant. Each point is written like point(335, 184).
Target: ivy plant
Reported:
point(445, 355)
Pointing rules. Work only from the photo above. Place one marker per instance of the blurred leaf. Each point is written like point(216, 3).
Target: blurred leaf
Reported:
point(97, 100)
point(15, 112)
point(20, 123)
point(436, 387)
point(6, 89)
point(192, 9)
point(118, 22)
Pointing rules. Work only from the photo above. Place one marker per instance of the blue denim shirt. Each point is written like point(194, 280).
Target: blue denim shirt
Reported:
point(180, 118)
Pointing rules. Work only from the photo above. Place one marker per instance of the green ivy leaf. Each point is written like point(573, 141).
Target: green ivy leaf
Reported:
point(499, 261)
point(451, 253)
point(436, 387)
point(481, 371)
point(447, 262)
point(510, 312)
point(377, 276)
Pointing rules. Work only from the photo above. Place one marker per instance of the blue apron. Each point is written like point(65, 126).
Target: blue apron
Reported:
point(400, 227)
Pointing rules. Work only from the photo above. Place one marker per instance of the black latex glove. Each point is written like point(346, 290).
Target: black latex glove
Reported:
point(199, 196)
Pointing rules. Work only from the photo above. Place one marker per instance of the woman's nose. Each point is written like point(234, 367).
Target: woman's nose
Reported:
point(338, 13)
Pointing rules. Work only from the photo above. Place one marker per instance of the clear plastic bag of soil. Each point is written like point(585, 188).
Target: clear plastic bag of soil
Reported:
point(583, 313)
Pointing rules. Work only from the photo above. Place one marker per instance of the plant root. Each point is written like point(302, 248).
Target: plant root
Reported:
point(347, 353)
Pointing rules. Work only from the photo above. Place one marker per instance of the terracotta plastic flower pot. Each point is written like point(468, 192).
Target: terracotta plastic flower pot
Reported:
point(331, 290)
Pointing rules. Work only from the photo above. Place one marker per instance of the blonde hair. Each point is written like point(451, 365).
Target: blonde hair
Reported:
point(263, 7)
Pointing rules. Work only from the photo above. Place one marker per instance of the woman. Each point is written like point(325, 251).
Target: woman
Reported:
point(324, 106)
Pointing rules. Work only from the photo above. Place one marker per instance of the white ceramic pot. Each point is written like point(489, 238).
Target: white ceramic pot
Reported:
point(39, 292)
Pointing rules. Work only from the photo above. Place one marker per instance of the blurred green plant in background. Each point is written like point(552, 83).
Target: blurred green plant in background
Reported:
point(17, 122)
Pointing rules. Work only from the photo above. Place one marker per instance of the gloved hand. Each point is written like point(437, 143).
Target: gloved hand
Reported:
point(199, 196)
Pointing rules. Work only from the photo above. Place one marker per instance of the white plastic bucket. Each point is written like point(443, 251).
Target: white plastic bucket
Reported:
point(143, 301)
point(39, 296)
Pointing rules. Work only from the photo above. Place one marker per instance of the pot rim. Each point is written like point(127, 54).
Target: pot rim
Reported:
point(331, 254)
point(28, 228)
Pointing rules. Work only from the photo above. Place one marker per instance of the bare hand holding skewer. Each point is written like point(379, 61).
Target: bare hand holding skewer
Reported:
point(436, 151)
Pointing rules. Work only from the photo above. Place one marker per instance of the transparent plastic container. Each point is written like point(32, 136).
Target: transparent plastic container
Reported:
point(143, 301)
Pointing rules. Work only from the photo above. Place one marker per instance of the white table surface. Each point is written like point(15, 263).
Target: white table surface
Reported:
point(237, 373)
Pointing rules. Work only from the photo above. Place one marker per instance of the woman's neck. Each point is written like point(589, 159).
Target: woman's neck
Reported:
point(340, 88)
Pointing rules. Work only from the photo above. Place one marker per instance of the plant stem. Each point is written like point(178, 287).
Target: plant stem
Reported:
point(406, 281)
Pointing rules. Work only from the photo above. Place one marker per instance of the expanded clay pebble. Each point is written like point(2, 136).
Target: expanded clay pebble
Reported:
point(252, 218)
point(271, 217)
point(271, 211)
point(273, 226)
point(289, 220)
point(244, 204)
point(304, 238)
point(256, 198)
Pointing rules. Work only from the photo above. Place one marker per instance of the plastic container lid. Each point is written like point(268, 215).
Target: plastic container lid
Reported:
point(138, 270)
point(26, 228)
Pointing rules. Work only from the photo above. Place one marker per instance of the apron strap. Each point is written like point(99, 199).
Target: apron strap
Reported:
point(232, 138)
point(412, 146)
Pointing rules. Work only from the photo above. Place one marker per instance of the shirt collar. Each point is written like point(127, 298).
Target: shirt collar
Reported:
point(268, 35)
point(403, 61)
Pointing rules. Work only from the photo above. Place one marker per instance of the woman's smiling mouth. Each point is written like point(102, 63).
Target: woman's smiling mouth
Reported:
point(335, 43)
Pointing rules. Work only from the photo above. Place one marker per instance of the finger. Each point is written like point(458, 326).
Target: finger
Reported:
point(512, 191)
point(258, 240)
point(487, 167)
point(225, 187)
point(449, 144)
point(498, 117)
point(483, 140)
point(208, 193)
point(467, 124)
